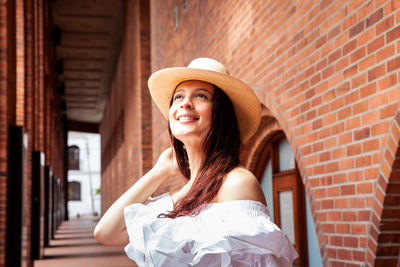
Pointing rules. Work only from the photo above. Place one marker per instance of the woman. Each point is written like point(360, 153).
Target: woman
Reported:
point(219, 217)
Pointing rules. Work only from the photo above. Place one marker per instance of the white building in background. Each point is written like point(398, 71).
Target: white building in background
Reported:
point(88, 175)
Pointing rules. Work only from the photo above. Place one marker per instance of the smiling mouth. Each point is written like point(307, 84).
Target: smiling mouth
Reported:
point(187, 118)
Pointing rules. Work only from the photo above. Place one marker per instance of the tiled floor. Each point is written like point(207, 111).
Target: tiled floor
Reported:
point(74, 246)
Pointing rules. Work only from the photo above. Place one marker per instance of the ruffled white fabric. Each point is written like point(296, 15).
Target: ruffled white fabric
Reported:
point(234, 233)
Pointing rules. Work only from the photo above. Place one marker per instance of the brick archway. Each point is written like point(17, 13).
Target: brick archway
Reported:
point(251, 151)
point(384, 231)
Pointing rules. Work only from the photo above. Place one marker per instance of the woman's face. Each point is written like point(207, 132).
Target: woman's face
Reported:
point(191, 111)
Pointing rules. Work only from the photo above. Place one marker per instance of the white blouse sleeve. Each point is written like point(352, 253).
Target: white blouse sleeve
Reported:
point(235, 233)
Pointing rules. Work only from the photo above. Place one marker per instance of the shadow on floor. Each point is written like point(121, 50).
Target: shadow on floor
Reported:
point(75, 246)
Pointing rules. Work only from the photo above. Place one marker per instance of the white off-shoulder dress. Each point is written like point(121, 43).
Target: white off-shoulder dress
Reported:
point(234, 233)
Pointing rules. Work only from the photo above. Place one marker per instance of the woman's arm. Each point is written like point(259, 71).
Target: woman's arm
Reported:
point(110, 230)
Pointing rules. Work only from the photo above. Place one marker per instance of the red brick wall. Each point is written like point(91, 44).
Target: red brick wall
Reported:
point(126, 126)
point(24, 102)
point(20, 62)
point(29, 122)
point(4, 114)
point(41, 114)
point(328, 71)
point(388, 229)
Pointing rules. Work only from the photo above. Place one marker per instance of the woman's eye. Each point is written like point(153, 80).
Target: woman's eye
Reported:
point(176, 97)
point(202, 96)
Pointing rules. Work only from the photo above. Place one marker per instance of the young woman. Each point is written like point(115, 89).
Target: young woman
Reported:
point(219, 217)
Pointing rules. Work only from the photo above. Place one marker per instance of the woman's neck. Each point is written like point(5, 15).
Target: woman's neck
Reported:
point(195, 157)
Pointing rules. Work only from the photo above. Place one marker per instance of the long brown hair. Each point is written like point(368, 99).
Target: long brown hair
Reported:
point(221, 154)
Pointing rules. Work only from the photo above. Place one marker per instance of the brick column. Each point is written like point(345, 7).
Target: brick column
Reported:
point(3, 121)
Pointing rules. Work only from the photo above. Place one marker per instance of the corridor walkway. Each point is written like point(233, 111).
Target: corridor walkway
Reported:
point(74, 246)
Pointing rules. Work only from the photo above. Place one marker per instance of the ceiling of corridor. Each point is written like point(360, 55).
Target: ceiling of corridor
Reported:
point(89, 41)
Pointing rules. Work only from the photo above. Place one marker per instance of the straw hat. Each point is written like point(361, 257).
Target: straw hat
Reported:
point(163, 83)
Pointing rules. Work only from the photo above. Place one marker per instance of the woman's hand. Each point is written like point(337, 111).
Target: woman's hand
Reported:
point(111, 227)
point(166, 164)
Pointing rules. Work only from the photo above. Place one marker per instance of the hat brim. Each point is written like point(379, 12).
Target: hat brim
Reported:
point(163, 83)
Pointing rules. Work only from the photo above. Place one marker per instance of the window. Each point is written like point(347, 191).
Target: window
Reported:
point(73, 157)
point(74, 192)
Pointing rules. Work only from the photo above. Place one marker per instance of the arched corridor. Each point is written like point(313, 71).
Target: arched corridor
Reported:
point(327, 74)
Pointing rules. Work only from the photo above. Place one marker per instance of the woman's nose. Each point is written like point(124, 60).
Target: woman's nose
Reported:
point(186, 103)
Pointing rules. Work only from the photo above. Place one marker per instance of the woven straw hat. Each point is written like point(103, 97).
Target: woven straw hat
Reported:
point(162, 85)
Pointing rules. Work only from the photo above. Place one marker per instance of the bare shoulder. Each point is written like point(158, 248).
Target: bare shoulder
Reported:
point(240, 184)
